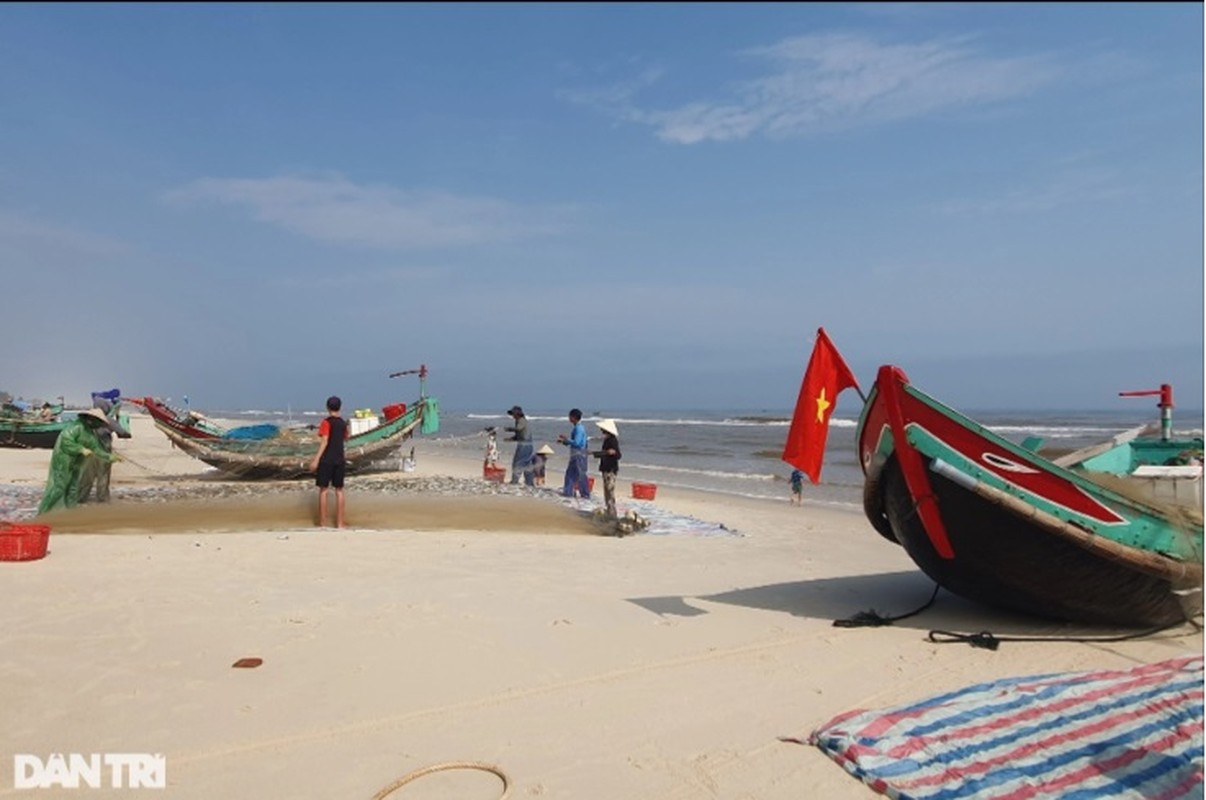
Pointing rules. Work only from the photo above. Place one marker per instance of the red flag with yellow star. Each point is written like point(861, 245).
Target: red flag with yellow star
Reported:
point(827, 375)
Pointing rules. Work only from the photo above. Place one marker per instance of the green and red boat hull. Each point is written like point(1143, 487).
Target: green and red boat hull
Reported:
point(999, 524)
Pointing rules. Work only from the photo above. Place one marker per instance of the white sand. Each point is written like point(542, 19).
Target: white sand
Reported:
point(654, 666)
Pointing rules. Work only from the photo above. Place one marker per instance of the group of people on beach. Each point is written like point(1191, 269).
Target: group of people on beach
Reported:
point(532, 464)
point(83, 457)
point(328, 464)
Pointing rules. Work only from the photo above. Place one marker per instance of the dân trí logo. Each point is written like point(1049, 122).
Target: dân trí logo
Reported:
point(95, 770)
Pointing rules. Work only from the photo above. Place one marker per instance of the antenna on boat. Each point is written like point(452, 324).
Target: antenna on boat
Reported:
point(421, 372)
point(1165, 405)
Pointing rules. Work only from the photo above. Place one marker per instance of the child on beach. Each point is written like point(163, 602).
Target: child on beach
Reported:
point(797, 487)
point(539, 461)
point(328, 463)
point(491, 448)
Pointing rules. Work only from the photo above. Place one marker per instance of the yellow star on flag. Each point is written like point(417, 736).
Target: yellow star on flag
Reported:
point(822, 404)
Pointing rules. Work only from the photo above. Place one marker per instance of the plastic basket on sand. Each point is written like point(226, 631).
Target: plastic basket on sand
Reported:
point(644, 491)
point(23, 542)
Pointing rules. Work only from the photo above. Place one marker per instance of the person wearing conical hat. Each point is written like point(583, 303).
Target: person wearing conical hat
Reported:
point(98, 468)
point(76, 443)
point(539, 459)
point(609, 462)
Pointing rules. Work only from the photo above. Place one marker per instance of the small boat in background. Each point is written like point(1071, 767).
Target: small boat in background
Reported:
point(998, 523)
point(22, 427)
point(1165, 468)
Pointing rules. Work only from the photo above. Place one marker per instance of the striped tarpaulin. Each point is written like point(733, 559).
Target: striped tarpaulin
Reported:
point(1133, 733)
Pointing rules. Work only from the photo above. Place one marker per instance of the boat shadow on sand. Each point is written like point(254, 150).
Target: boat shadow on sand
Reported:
point(886, 595)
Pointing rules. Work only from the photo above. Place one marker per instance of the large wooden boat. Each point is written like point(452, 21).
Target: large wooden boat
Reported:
point(997, 523)
point(288, 454)
point(269, 451)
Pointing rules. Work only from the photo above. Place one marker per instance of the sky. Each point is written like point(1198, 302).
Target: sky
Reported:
point(629, 206)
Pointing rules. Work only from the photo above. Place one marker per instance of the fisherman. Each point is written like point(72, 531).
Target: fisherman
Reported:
point(522, 460)
point(98, 468)
point(576, 479)
point(76, 443)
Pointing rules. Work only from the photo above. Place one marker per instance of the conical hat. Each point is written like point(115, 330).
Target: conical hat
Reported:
point(608, 426)
point(545, 450)
point(97, 413)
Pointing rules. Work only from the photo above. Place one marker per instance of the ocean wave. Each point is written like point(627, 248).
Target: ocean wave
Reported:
point(710, 473)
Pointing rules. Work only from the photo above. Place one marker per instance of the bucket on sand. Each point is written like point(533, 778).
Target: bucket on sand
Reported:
point(644, 491)
point(495, 474)
point(23, 542)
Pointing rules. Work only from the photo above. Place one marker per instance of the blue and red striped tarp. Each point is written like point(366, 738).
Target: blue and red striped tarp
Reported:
point(1133, 733)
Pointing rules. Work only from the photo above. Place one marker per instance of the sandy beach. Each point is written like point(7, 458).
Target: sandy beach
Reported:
point(493, 628)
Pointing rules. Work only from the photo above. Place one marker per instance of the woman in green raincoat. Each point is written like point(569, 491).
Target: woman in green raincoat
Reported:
point(75, 444)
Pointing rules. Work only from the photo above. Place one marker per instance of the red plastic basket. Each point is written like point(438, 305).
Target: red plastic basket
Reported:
point(644, 491)
point(495, 474)
point(23, 542)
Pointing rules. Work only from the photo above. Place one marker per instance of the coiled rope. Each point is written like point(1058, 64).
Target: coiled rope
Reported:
point(446, 765)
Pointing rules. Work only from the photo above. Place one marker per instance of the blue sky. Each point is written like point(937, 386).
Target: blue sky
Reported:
point(607, 206)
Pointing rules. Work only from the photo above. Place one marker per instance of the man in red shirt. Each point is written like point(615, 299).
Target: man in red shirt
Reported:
point(329, 464)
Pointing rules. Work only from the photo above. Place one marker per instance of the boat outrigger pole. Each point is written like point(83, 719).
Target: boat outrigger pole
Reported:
point(1165, 405)
point(421, 372)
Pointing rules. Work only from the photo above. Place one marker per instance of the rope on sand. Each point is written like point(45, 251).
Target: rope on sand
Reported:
point(446, 765)
point(143, 467)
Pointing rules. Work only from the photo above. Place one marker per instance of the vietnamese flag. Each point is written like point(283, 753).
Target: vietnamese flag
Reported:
point(827, 375)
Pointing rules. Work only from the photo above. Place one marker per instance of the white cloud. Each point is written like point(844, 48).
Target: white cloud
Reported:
point(23, 233)
point(334, 209)
point(834, 82)
point(1072, 188)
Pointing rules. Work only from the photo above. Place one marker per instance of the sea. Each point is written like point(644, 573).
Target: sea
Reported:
point(737, 452)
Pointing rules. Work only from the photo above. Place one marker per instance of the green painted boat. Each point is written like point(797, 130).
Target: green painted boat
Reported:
point(998, 523)
point(1163, 467)
point(287, 454)
point(27, 429)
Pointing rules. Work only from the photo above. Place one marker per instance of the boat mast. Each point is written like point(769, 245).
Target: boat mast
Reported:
point(421, 372)
point(1165, 405)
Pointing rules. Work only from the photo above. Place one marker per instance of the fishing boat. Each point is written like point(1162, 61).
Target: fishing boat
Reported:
point(23, 428)
point(1000, 524)
point(195, 425)
point(287, 453)
point(1166, 468)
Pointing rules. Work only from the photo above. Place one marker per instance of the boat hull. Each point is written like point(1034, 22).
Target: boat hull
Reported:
point(185, 423)
point(37, 435)
point(1005, 562)
point(998, 524)
point(288, 456)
